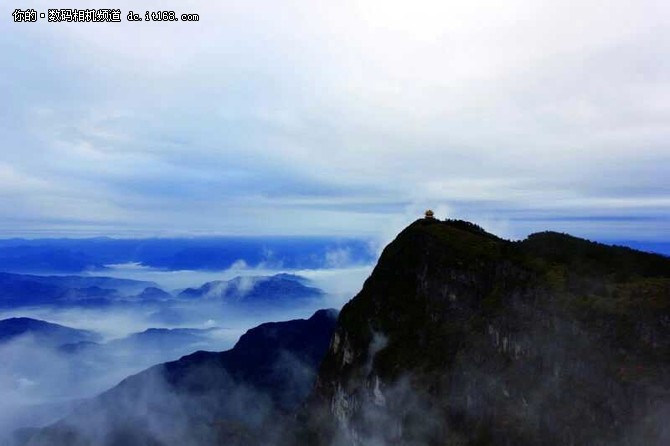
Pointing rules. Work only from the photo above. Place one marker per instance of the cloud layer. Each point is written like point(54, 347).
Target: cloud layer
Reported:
point(307, 117)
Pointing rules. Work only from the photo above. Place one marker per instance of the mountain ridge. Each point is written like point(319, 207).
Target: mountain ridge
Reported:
point(278, 288)
point(46, 333)
point(460, 337)
point(203, 397)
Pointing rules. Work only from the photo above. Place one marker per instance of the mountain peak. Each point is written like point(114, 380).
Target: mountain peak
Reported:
point(460, 331)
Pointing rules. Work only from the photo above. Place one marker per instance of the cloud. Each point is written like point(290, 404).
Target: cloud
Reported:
point(317, 118)
point(40, 383)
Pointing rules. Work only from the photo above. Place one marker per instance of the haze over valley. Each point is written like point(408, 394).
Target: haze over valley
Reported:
point(86, 326)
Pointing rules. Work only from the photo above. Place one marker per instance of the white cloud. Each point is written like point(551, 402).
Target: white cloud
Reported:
point(334, 117)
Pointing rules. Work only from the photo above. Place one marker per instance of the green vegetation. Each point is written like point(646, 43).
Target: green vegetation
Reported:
point(453, 302)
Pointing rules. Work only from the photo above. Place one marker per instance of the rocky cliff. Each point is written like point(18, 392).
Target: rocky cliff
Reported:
point(461, 338)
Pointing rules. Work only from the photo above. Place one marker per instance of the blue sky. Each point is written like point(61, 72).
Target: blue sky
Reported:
point(342, 118)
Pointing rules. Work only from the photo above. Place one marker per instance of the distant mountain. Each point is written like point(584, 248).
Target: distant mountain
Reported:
point(278, 289)
point(25, 256)
point(205, 398)
point(163, 339)
point(45, 333)
point(205, 253)
point(293, 277)
point(150, 346)
point(79, 347)
point(19, 290)
point(153, 293)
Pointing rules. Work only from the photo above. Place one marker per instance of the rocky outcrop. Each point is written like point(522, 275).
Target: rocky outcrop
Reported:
point(459, 337)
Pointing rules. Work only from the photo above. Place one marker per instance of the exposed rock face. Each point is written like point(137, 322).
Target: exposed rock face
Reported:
point(459, 337)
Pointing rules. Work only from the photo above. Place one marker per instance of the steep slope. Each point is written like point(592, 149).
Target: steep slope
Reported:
point(461, 338)
point(205, 398)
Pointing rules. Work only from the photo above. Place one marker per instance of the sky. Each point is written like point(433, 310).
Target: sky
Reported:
point(338, 118)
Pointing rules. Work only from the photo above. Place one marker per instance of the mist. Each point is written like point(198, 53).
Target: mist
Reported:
point(235, 397)
point(42, 383)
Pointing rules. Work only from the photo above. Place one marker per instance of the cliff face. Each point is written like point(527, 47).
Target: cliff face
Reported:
point(459, 337)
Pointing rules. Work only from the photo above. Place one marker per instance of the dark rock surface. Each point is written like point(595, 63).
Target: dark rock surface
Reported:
point(460, 337)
